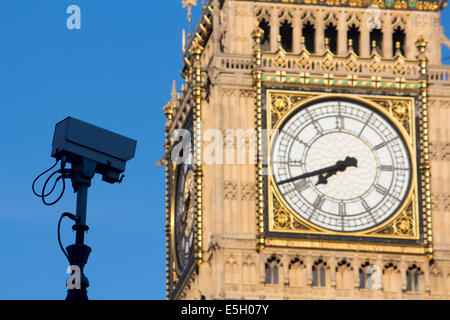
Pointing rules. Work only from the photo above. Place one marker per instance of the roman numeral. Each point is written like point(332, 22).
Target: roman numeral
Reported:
point(381, 145)
point(367, 208)
point(295, 138)
point(365, 125)
point(301, 185)
point(342, 209)
point(317, 205)
point(340, 122)
point(319, 202)
point(381, 189)
point(365, 205)
point(387, 168)
point(295, 163)
point(314, 122)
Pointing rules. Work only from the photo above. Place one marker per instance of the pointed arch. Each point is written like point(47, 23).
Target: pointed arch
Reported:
point(391, 278)
point(414, 279)
point(273, 270)
point(344, 275)
point(319, 273)
point(437, 281)
point(297, 273)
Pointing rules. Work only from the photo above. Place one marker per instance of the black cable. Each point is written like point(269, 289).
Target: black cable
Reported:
point(37, 178)
point(72, 217)
point(65, 173)
point(43, 195)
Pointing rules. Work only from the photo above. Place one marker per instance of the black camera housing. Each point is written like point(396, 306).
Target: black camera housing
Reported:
point(76, 141)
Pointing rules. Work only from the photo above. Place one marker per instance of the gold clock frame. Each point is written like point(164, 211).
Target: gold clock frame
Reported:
point(175, 277)
point(409, 229)
point(376, 92)
point(281, 220)
point(176, 267)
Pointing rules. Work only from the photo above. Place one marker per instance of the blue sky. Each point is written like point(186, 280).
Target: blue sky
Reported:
point(116, 72)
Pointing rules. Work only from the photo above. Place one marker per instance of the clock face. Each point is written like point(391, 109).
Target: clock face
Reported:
point(341, 165)
point(184, 215)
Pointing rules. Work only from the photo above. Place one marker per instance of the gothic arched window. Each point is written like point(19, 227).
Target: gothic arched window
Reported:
point(399, 37)
point(354, 35)
point(368, 276)
point(297, 273)
point(272, 270)
point(413, 275)
point(331, 34)
point(319, 273)
point(265, 41)
point(308, 33)
point(376, 40)
point(286, 35)
point(391, 278)
point(344, 275)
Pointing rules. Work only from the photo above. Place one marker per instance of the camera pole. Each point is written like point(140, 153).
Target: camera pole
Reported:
point(78, 253)
point(90, 150)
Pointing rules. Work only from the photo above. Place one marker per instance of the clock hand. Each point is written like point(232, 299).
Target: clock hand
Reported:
point(339, 166)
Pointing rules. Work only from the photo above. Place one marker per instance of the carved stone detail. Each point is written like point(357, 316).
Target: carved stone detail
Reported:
point(230, 190)
point(440, 151)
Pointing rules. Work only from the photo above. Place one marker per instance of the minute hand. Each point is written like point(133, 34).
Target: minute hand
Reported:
point(339, 166)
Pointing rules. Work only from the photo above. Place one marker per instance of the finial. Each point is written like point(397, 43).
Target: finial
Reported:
point(327, 47)
point(350, 45)
point(257, 34)
point(196, 49)
point(302, 43)
point(189, 4)
point(421, 44)
point(397, 48)
point(168, 110)
point(374, 46)
point(279, 40)
point(184, 41)
point(174, 93)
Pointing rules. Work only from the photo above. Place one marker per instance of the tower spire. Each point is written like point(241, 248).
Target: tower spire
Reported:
point(189, 4)
point(174, 93)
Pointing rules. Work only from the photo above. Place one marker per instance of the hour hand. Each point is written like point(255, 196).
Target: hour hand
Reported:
point(322, 180)
point(325, 173)
point(339, 167)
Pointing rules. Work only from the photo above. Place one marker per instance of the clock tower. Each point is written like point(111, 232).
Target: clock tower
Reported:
point(307, 155)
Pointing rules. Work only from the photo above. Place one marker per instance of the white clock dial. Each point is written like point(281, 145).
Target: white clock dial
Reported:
point(329, 134)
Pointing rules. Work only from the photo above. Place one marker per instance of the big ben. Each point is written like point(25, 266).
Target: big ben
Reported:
point(328, 127)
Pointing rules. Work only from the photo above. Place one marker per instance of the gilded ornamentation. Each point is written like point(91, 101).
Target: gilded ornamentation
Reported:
point(399, 67)
point(328, 65)
point(405, 224)
point(351, 65)
point(304, 61)
point(280, 60)
point(283, 103)
point(375, 65)
point(283, 220)
point(400, 109)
